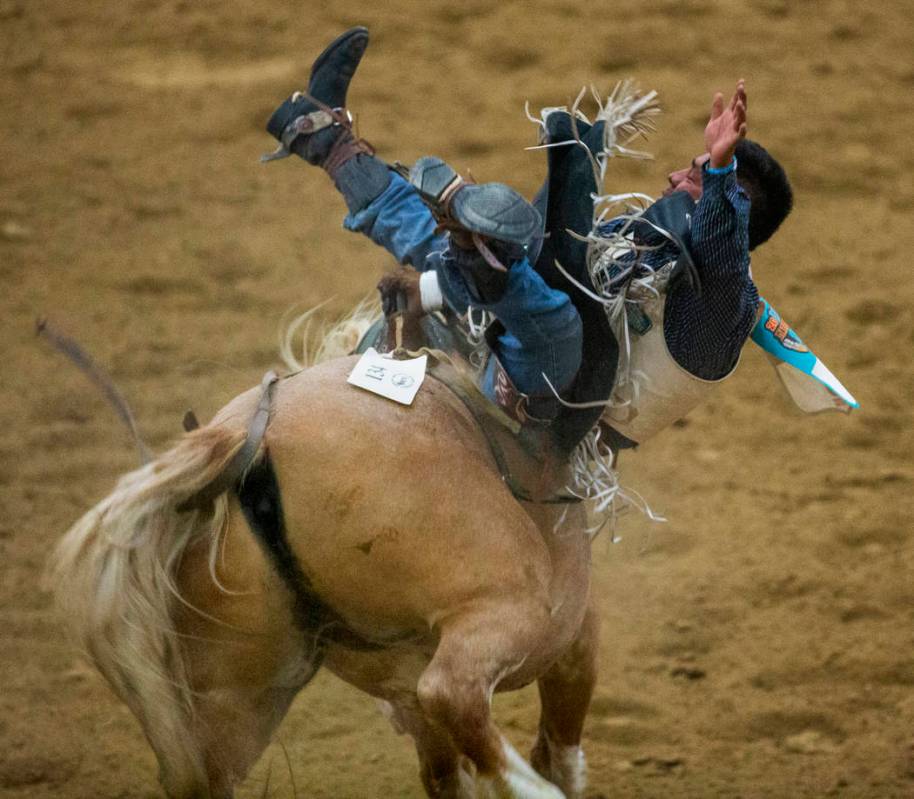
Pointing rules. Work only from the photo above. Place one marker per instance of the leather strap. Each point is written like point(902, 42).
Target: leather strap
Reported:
point(449, 191)
point(321, 118)
point(490, 258)
point(343, 149)
point(234, 470)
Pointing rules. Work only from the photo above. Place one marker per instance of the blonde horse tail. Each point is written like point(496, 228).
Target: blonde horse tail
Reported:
point(115, 576)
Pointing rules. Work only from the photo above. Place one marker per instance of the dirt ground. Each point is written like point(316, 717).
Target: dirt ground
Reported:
point(759, 644)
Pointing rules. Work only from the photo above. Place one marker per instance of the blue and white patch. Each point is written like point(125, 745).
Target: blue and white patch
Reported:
point(809, 382)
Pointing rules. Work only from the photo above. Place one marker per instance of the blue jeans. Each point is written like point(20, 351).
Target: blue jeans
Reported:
point(544, 331)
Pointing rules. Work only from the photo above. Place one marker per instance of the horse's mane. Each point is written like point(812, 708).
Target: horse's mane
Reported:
point(115, 575)
point(322, 340)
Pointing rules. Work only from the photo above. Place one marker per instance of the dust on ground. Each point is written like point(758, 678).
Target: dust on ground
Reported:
point(760, 644)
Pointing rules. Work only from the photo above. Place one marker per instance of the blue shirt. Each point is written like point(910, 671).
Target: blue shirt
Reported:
point(706, 332)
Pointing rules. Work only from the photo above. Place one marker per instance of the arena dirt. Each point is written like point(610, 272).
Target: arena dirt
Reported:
point(759, 644)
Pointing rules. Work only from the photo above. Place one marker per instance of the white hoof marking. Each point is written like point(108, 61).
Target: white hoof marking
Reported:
point(518, 781)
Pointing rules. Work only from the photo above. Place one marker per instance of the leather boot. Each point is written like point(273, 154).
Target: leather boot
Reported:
point(490, 224)
point(316, 126)
point(308, 128)
point(491, 210)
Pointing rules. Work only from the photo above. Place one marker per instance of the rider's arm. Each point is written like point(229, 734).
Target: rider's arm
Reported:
point(400, 222)
point(705, 332)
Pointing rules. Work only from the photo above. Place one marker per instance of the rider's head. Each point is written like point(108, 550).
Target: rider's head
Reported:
point(688, 179)
point(761, 177)
point(765, 181)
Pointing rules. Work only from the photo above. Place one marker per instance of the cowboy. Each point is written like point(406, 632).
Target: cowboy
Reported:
point(484, 246)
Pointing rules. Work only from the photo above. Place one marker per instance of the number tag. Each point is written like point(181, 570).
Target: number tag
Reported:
point(396, 380)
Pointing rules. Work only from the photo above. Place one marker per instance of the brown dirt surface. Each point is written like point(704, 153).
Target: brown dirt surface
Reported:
point(759, 644)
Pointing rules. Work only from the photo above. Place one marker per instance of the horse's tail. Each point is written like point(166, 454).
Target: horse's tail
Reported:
point(115, 575)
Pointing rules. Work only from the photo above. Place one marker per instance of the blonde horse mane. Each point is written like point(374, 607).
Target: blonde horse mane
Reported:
point(323, 341)
point(114, 575)
point(115, 572)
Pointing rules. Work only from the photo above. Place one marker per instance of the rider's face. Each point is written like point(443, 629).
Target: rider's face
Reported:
point(688, 179)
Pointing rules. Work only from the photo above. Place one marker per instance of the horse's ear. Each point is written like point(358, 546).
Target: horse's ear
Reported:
point(190, 422)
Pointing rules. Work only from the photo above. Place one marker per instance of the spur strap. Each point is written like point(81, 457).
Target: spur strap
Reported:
point(321, 118)
point(343, 149)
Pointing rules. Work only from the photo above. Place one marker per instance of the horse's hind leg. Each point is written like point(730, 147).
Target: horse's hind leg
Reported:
point(473, 655)
point(565, 692)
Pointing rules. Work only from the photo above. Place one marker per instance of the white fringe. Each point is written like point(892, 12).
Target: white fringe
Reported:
point(628, 114)
point(594, 480)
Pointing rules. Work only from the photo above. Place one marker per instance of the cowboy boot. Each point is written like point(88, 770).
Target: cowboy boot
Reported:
point(316, 126)
point(491, 210)
point(490, 224)
point(305, 127)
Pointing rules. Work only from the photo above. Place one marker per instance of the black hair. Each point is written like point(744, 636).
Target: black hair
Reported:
point(765, 181)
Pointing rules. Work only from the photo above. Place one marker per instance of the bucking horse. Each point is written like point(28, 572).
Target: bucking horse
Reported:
point(311, 523)
point(428, 554)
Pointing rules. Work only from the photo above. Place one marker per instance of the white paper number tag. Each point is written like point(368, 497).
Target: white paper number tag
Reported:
point(396, 380)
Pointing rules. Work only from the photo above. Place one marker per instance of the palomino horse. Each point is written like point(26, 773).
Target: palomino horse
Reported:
point(443, 587)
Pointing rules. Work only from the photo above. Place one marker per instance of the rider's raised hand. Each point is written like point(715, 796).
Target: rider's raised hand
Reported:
point(726, 126)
